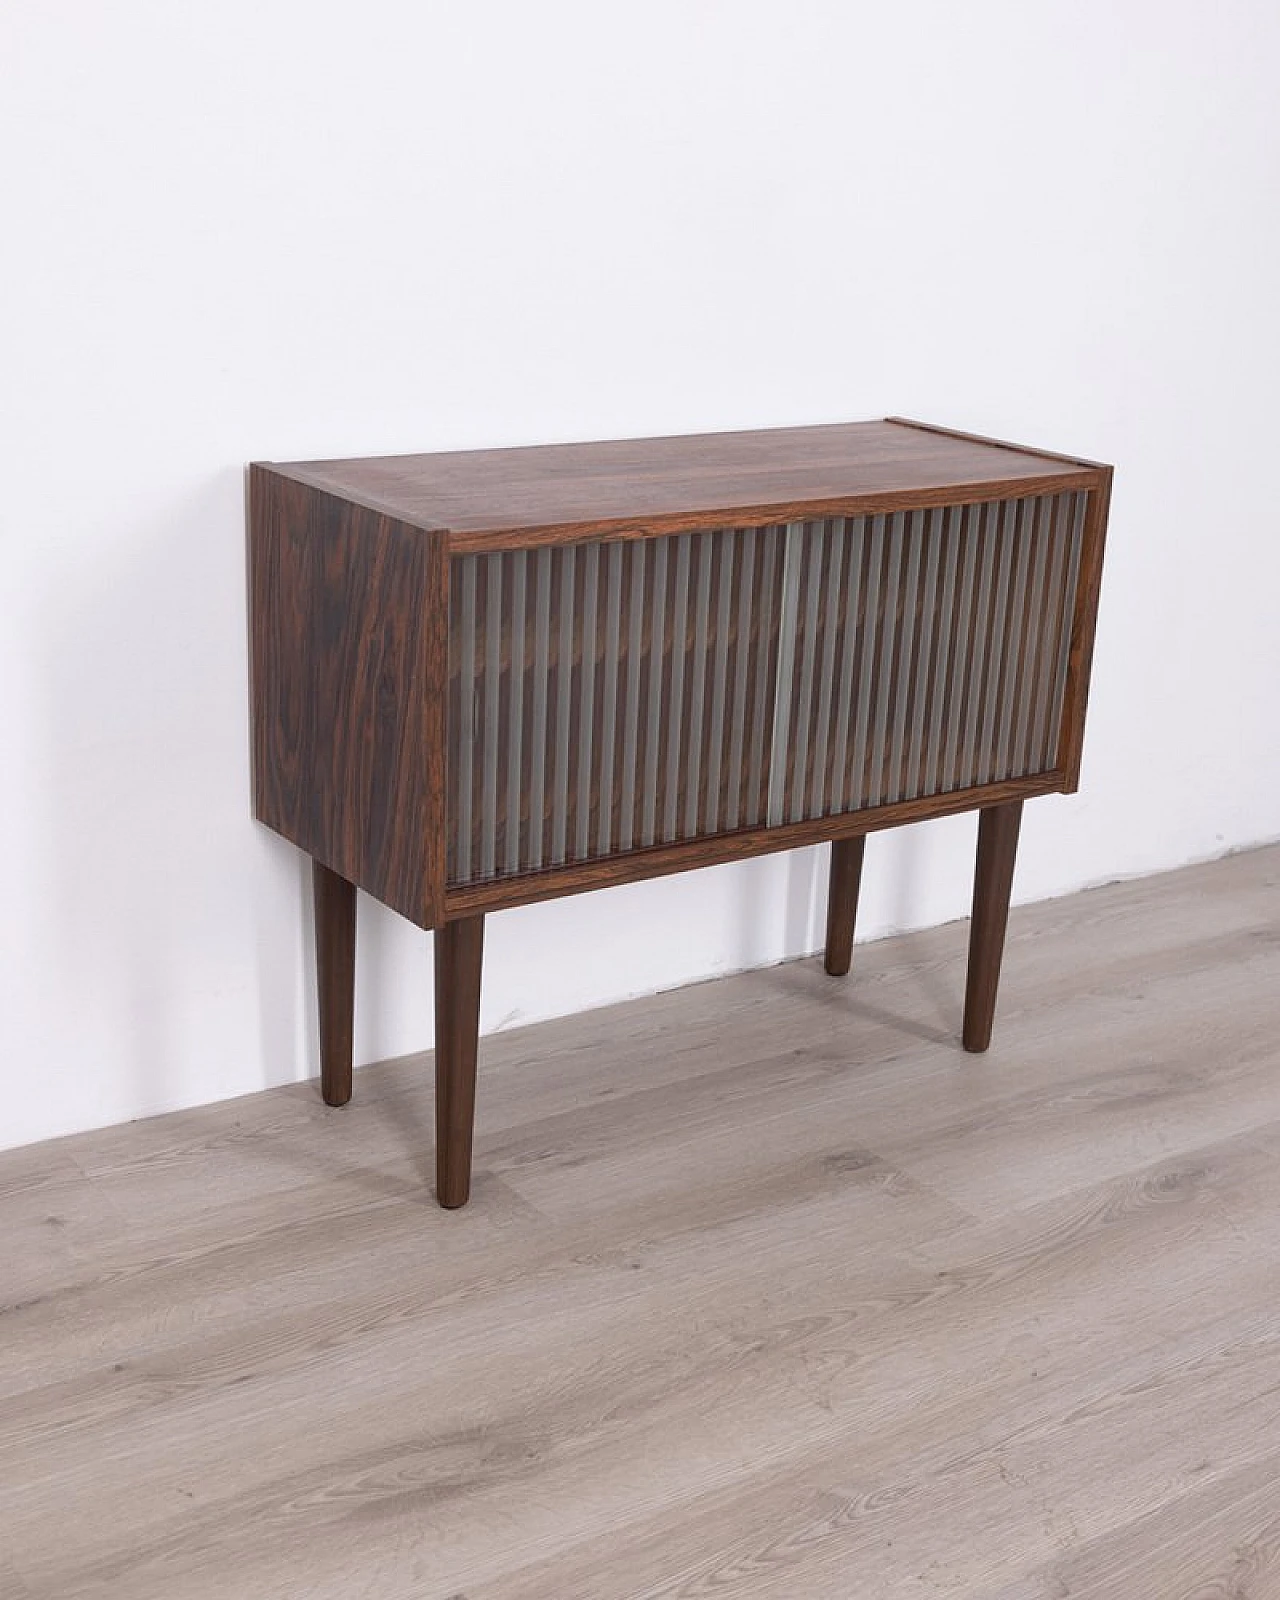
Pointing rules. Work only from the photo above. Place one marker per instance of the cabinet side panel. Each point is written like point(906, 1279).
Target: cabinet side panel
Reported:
point(1080, 663)
point(341, 663)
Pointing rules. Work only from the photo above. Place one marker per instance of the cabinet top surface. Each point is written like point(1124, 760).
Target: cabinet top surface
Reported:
point(624, 487)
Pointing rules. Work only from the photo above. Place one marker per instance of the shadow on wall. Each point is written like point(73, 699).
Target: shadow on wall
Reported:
point(806, 898)
point(895, 896)
point(894, 900)
point(165, 926)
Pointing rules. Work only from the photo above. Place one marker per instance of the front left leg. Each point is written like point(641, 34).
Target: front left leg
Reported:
point(335, 917)
point(459, 949)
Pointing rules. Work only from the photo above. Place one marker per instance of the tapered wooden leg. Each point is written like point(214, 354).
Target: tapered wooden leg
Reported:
point(459, 953)
point(842, 902)
point(993, 881)
point(335, 912)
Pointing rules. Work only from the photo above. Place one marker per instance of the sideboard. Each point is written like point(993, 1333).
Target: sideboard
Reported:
point(491, 677)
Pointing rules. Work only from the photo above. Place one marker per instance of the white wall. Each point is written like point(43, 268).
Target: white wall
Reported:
point(290, 230)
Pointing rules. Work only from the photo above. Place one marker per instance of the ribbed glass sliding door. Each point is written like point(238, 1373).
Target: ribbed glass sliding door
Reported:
point(607, 697)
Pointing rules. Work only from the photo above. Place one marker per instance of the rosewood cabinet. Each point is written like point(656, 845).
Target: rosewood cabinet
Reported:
point(491, 677)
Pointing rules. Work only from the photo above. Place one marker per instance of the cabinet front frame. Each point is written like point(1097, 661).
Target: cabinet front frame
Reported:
point(466, 900)
point(660, 860)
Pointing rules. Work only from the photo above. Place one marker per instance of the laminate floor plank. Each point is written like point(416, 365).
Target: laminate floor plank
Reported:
point(750, 1355)
point(1221, 1542)
point(11, 1586)
point(531, 1482)
point(54, 1233)
point(765, 1289)
point(36, 1166)
point(951, 1518)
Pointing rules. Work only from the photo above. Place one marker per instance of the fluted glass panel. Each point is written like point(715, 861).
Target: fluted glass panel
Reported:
point(613, 696)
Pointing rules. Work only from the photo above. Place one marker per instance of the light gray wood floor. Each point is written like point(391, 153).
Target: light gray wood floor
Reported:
point(766, 1289)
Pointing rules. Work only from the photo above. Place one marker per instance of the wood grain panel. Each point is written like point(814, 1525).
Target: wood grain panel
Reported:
point(634, 488)
point(348, 619)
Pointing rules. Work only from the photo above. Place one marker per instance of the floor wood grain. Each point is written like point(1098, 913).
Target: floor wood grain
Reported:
point(765, 1289)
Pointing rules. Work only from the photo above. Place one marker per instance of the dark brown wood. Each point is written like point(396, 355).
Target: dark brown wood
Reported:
point(348, 661)
point(1084, 627)
point(634, 488)
point(998, 444)
point(842, 902)
point(993, 881)
point(428, 829)
point(371, 741)
point(459, 951)
point(659, 860)
point(335, 918)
